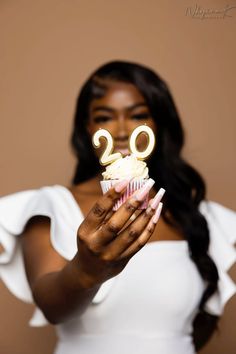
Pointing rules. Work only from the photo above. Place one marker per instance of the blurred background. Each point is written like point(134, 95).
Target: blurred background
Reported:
point(49, 47)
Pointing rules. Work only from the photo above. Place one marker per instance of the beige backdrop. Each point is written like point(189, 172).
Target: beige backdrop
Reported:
point(49, 47)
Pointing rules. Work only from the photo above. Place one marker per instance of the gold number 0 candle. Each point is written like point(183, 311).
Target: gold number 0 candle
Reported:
point(142, 155)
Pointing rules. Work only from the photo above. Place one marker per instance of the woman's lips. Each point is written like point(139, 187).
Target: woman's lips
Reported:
point(123, 151)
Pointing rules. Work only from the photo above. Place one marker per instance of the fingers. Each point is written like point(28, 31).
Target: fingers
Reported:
point(144, 237)
point(114, 225)
point(103, 206)
point(133, 231)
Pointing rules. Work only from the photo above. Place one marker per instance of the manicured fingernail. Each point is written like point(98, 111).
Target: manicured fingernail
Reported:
point(142, 193)
point(157, 213)
point(122, 184)
point(156, 200)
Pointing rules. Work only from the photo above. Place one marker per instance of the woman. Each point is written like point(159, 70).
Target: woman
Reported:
point(91, 276)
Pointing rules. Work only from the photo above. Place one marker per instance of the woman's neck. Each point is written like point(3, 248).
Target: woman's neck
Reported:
point(89, 187)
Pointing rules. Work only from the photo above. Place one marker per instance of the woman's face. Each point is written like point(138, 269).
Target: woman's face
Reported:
point(120, 111)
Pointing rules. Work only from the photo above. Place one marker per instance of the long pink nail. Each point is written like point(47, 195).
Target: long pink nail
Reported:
point(142, 193)
point(157, 213)
point(156, 200)
point(122, 184)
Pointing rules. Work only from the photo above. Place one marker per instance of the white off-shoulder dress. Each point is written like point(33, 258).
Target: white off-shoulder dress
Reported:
point(149, 307)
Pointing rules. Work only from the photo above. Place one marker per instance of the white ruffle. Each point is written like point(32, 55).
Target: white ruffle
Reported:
point(16, 209)
point(222, 227)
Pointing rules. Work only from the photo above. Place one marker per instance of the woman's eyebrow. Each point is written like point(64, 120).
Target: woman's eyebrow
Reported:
point(103, 108)
point(111, 110)
point(137, 105)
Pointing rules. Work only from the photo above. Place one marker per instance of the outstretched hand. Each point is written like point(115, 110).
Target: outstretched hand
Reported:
point(106, 242)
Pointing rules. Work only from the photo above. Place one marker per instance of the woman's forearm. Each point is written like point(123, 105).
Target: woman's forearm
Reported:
point(63, 294)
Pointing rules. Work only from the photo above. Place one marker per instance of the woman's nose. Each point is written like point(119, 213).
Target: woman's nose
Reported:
point(122, 133)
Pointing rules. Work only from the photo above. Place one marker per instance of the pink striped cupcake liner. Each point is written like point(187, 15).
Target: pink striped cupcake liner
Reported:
point(131, 188)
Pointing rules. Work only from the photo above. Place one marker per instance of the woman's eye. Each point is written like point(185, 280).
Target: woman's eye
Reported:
point(101, 119)
point(141, 116)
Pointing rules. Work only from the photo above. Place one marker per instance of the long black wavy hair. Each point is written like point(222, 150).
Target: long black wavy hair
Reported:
point(185, 188)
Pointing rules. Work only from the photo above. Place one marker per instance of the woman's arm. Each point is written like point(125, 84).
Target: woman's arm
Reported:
point(106, 243)
point(204, 326)
point(57, 285)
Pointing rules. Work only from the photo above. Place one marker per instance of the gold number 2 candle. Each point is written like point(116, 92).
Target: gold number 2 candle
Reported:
point(107, 156)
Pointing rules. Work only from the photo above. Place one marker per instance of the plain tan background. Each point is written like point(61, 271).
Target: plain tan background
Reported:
point(49, 47)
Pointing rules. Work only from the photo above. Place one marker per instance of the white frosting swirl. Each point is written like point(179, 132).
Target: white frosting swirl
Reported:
point(126, 167)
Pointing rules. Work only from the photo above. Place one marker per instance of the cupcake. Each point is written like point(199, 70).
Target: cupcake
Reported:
point(125, 168)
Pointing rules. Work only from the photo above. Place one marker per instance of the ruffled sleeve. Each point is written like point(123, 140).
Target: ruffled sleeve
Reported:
point(55, 202)
point(15, 211)
point(222, 227)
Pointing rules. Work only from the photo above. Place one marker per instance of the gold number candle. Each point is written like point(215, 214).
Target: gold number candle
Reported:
point(142, 155)
point(107, 156)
